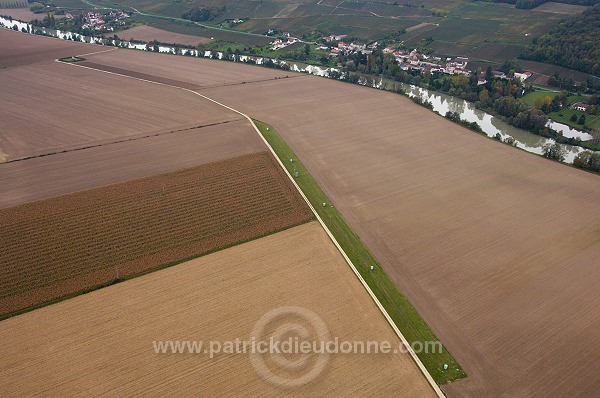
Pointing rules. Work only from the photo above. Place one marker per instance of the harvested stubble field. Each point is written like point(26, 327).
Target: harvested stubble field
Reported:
point(62, 245)
point(148, 33)
point(78, 107)
point(496, 248)
point(102, 342)
point(192, 72)
point(17, 49)
point(23, 14)
point(27, 180)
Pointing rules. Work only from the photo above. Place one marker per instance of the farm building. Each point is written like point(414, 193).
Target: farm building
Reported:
point(580, 106)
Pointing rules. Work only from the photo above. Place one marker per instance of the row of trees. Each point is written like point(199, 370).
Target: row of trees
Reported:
point(588, 160)
point(47, 22)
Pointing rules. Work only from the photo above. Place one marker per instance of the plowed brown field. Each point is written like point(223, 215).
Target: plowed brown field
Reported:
point(24, 14)
point(101, 343)
point(148, 33)
point(78, 107)
point(198, 72)
point(62, 245)
point(17, 49)
point(27, 180)
point(497, 249)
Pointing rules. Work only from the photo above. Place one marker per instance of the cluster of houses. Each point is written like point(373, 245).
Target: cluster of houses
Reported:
point(411, 60)
point(521, 76)
point(407, 60)
point(347, 48)
point(278, 44)
point(426, 63)
point(105, 22)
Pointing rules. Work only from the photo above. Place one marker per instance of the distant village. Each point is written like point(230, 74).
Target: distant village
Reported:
point(407, 60)
point(106, 22)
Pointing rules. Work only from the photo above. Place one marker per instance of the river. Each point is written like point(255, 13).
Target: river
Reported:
point(442, 103)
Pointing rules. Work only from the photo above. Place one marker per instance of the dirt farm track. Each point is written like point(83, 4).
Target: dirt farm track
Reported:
point(497, 249)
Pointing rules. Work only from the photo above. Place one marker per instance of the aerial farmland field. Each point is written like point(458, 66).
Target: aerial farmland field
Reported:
point(17, 49)
point(496, 248)
point(82, 108)
point(192, 72)
point(559, 8)
point(66, 244)
point(27, 180)
point(457, 221)
point(148, 33)
point(102, 342)
point(22, 14)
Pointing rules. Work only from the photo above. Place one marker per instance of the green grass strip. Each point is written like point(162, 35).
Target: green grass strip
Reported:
point(404, 315)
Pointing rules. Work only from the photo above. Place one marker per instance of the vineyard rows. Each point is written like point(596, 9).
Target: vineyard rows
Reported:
point(66, 244)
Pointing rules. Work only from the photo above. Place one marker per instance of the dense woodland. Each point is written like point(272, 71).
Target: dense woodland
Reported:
point(201, 14)
point(573, 44)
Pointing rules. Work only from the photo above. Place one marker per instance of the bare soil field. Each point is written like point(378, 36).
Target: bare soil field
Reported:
point(69, 243)
point(559, 8)
point(76, 107)
point(18, 49)
point(456, 219)
point(496, 248)
point(27, 180)
point(199, 72)
point(24, 14)
point(102, 342)
point(542, 70)
point(148, 33)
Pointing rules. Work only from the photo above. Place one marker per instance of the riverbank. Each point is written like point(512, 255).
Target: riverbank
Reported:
point(492, 126)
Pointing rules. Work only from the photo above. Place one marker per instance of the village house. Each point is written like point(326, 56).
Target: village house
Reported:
point(461, 62)
point(389, 49)
point(523, 76)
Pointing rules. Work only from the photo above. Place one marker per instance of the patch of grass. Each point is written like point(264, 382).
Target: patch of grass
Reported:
point(399, 308)
point(564, 116)
point(576, 98)
point(530, 98)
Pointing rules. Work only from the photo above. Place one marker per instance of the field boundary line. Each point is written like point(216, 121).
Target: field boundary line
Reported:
point(98, 52)
point(414, 356)
point(390, 321)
